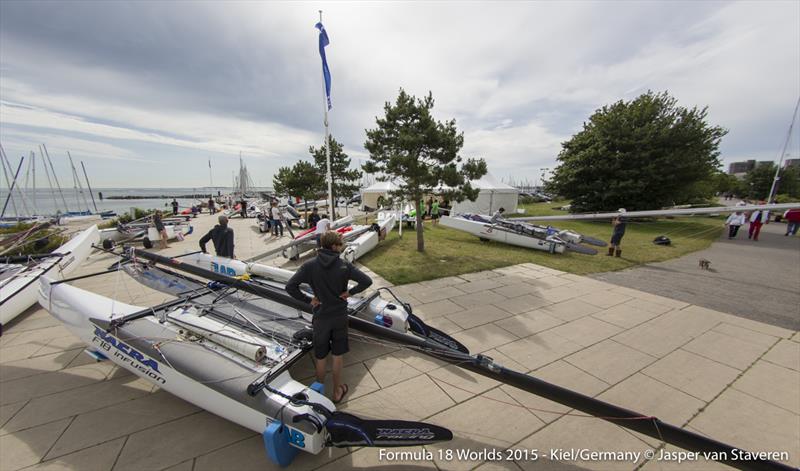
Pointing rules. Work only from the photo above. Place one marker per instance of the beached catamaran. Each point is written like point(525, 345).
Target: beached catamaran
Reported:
point(226, 342)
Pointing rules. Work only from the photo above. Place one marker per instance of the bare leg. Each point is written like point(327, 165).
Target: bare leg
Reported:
point(321, 366)
point(338, 363)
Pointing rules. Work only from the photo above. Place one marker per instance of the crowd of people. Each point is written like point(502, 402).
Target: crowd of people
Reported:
point(756, 220)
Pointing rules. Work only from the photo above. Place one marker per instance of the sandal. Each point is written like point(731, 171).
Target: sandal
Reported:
point(345, 389)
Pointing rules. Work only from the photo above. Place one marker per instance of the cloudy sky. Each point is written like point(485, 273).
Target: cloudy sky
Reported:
point(145, 93)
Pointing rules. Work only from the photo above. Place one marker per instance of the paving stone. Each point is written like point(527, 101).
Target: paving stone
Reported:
point(529, 323)
point(18, 352)
point(437, 294)
point(388, 370)
point(48, 383)
point(604, 299)
point(665, 333)
point(447, 281)
point(483, 275)
point(481, 298)
point(9, 410)
point(610, 361)
point(692, 374)
point(27, 447)
point(786, 354)
point(37, 365)
point(187, 465)
point(506, 361)
point(445, 325)
point(571, 310)
point(437, 309)
point(358, 380)
point(498, 466)
point(60, 344)
point(372, 458)
point(539, 349)
point(653, 398)
point(477, 316)
point(249, 454)
point(515, 289)
point(500, 427)
point(550, 282)
point(363, 348)
point(38, 319)
point(461, 384)
point(751, 424)
point(577, 433)
point(77, 401)
point(557, 294)
point(586, 331)
point(94, 427)
point(165, 445)
point(772, 383)
point(484, 337)
point(520, 304)
point(796, 337)
point(747, 335)
point(758, 326)
point(625, 315)
point(480, 285)
point(561, 374)
point(725, 349)
point(419, 361)
point(413, 399)
point(98, 457)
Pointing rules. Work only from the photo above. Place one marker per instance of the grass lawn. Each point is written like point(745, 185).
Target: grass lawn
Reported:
point(450, 252)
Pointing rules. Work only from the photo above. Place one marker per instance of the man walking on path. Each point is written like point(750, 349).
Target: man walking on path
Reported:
point(327, 275)
point(174, 207)
point(792, 217)
point(275, 217)
point(222, 236)
point(211, 209)
point(757, 219)
point(619, 224)
point(734, 221)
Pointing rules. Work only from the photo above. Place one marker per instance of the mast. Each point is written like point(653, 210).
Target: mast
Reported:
point(3, 160)
point(49, 182)
point(326, 105)
point(23, 190)
point(89, 186)
point(76, 182)
point(33, 163)
point(55, 177)
point(11, 188)
point(783, 153)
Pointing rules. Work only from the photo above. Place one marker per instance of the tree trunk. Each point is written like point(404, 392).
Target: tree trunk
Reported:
point(420, 237)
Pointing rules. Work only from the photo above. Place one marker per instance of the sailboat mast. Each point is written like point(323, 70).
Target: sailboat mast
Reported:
point(783, 153)
point(89, 186)
point(49, 181)
point(4, 161)
point(33, 163)
point(77, 183)
point(11, 188)
point(55, 177)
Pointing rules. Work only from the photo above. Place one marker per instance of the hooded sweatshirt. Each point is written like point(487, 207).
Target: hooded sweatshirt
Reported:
point(327, 275)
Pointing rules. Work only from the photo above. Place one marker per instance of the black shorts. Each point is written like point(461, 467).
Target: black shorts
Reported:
point(435, 216)
point(330, 335)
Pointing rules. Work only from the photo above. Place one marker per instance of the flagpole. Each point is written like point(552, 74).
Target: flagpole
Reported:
point(329, 177)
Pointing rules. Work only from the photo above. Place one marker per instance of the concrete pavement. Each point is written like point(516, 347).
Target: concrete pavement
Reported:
point(721, 375)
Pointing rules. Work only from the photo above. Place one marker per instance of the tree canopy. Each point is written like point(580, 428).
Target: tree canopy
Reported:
point(420, 154)
point(642, 154)
point(758, 181)
point(302, 180)
point(345, 179)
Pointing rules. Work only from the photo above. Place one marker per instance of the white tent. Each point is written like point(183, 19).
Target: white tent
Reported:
point(493, 196)
point(370, 195)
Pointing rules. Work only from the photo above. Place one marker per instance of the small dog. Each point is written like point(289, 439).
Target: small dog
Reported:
point(705, 264)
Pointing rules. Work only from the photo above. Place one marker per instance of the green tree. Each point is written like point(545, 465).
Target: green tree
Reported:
point(643, 154)
point(758, 181)
point(411, 148)
point(302, 180)
point(345, 179)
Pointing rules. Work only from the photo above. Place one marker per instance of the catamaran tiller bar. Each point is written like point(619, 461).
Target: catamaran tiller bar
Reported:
point(650, 426)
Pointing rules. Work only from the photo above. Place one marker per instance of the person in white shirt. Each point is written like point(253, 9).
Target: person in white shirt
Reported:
point(322, 227)
point(276, 216)
point(758, 218)
point(498, 215)
point(734, 222)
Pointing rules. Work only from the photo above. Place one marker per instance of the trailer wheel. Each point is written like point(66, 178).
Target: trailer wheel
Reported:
point(148, 244)
point(483, 240)
point(108, 244)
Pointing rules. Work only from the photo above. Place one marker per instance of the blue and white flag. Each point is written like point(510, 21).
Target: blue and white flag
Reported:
point(326, 74)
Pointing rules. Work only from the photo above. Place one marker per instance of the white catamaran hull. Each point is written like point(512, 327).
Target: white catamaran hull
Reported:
point(18, 292)
point(368, 241)
point(488, 231)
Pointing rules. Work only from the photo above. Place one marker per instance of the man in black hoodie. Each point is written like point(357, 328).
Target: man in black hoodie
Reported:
point(222, 236)
point(327, 275)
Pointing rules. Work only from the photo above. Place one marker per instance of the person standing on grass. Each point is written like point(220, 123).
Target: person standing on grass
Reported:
point(327, 275)
point(734, 222)
point(435, 211)
point(758, 218)
point(222, 237)
point(618, 232)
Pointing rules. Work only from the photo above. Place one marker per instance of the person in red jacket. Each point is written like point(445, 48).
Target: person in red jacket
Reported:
point(792, 217)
